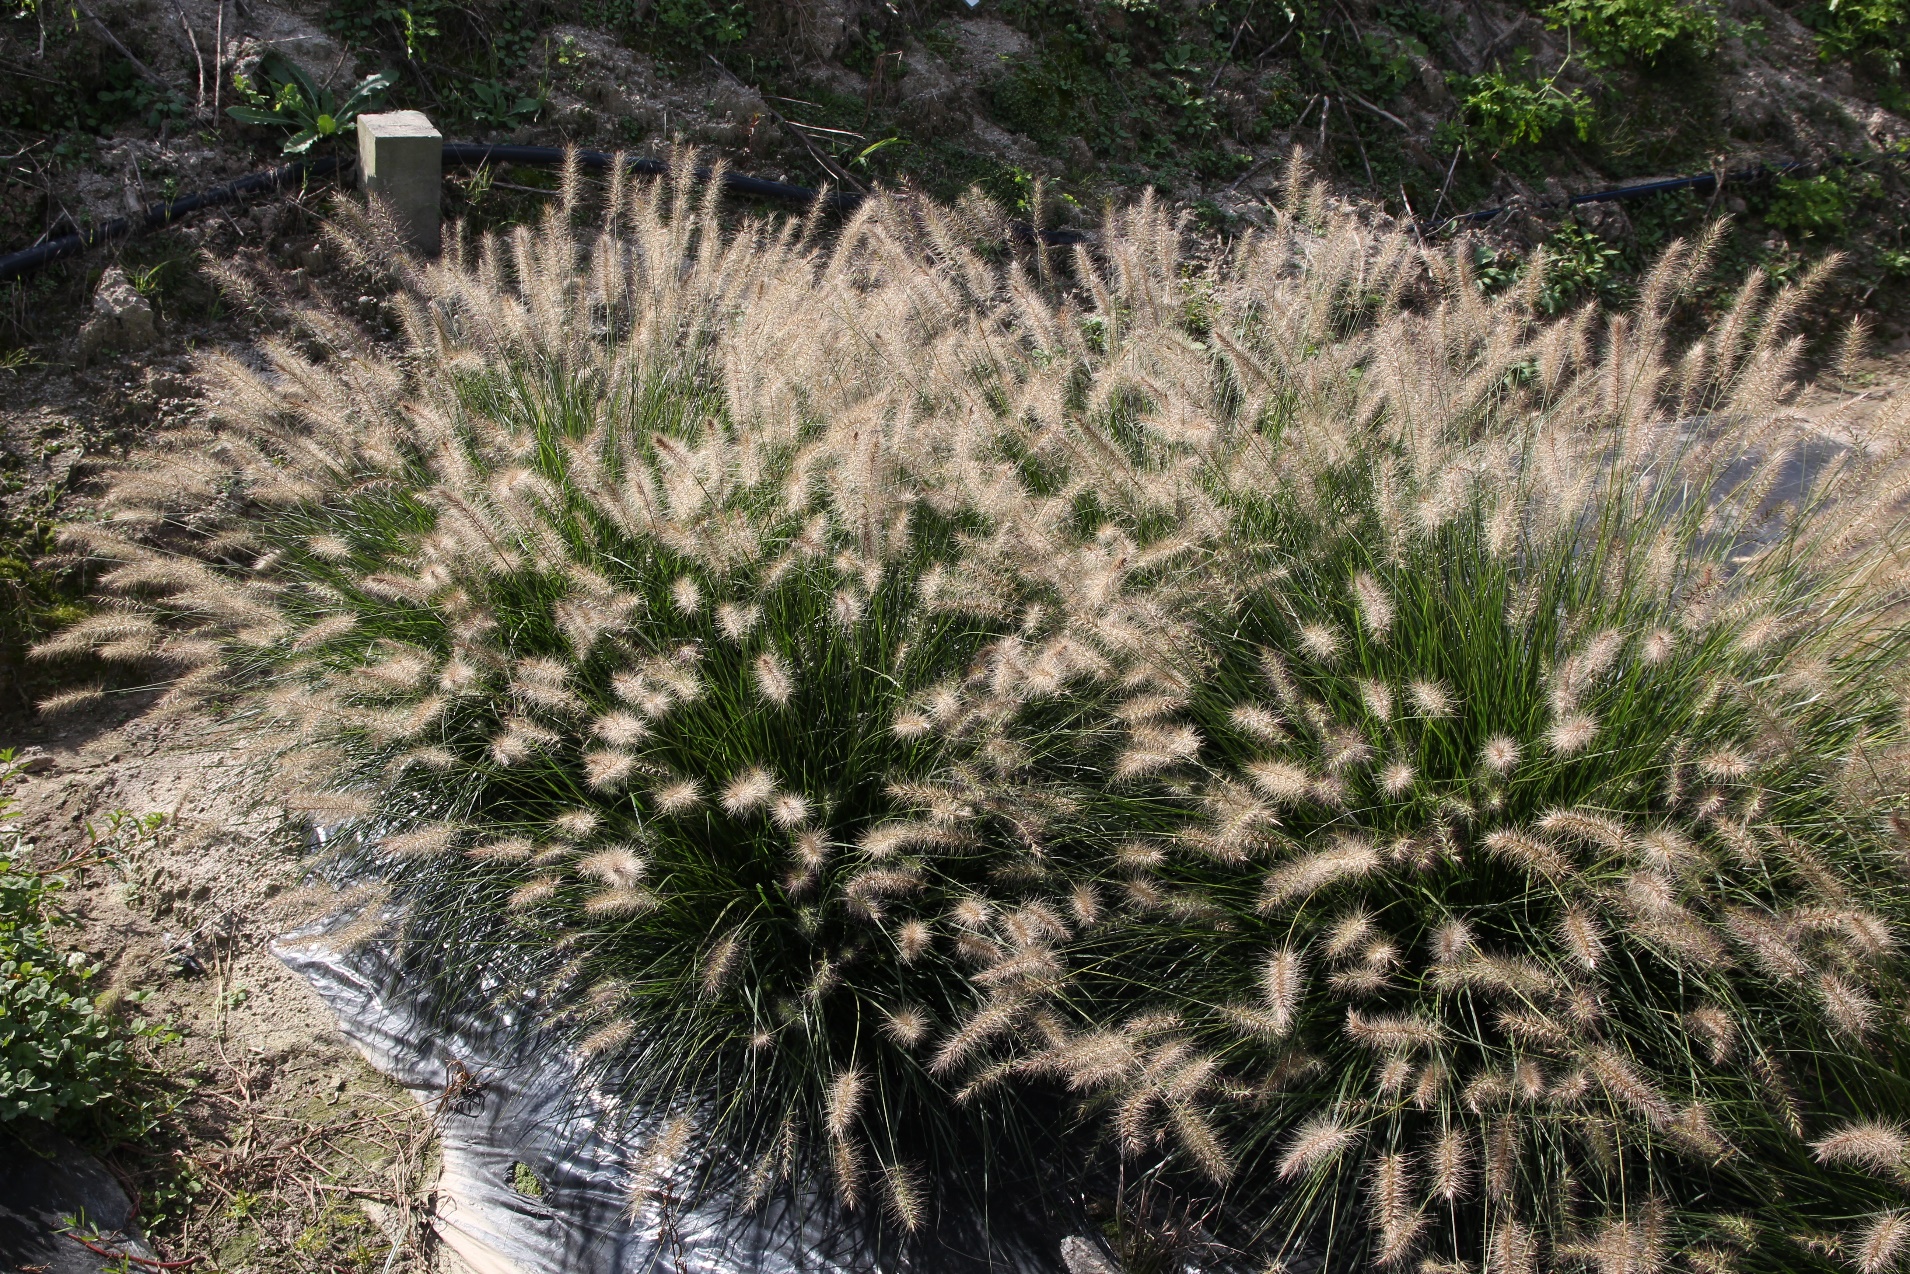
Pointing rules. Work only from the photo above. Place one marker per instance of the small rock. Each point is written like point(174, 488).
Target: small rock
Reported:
point(47, 1182)
point(824, 26)
point(739, 104)
point(385, 1218)
point(604, 94)
point(33, 761)
point(1082, 1256)
point(122, 318)
point(181, 959)
point(1606, 220)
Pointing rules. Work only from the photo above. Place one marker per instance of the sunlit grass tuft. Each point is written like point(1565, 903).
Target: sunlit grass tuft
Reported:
point(1424, 775)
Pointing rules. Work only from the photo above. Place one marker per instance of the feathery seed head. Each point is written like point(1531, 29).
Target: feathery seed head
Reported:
point(1724, 763)
point(1321, 641)
point(431, 838)
point(679, 797)
point(913, 938)
point(1378, 698)
point(1282, 982)
point(532, 892)
point(722, 961)
point(1582, 937)
point(788, 810)
point(1349, 858)
point(1452, 942)
point(1877, 1147)
point(1314, 1144)
point(1882, 1243)
point(845, 1101)
point(737, 622)
point(686, 595)
point(606, 770)
point(971, 912)
point(619, 868)
point(774, 680)
point(846, 608)
point(1851, 1010)
point(511, 849)
point(1431, 698)
point(1375, 604)
point(1282, 782)
point(1500, 754)
point(749, 791)
point(1571, 733)
point(1450, 1159)
point(1257, 722)
point(1084, 902)
point(576, 824)
point(1529, 853)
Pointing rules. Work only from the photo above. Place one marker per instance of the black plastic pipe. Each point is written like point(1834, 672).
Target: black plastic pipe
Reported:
point(1701, 181)
point(19, 264)
point(551, 156)
point(735, 183)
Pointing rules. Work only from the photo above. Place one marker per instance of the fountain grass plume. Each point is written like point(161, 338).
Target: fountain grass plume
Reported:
point(1430, 773)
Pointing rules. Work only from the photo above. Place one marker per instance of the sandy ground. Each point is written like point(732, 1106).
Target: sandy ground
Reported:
point(1853, 409)
point(286, 1152)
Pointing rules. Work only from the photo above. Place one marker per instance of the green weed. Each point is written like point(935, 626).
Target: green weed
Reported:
point(287, 97)
point(1641, 30)
point(1861, 28)
point(1818, 206)
point(1499, 112)
point(61, 1055)
point(700, 24)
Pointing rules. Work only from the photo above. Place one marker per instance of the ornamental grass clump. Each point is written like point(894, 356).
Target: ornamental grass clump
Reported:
point(1424, 775)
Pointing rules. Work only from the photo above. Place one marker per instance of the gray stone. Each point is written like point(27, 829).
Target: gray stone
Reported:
point(1606, 220)
point(1084, 1256)
point(48, 1184)
point(32, 761)
point(121, 319)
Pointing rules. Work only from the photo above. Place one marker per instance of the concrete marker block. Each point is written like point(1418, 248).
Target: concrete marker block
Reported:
point(401, 160)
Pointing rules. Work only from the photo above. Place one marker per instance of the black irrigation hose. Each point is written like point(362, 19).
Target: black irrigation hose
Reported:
point(550, 156)
point(1702, 181)
point(736, 183)
point(17, 265)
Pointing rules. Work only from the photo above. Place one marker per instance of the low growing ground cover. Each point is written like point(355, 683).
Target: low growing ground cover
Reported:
point(1425, 774)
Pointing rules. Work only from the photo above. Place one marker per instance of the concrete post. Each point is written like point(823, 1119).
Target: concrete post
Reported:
point(401, 160)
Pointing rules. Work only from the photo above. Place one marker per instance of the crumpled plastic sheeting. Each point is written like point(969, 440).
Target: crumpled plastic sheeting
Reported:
point(529, 1106)
point(524, 1107)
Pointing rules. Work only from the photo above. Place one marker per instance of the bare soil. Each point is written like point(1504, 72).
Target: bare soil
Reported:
point(284, 1151)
